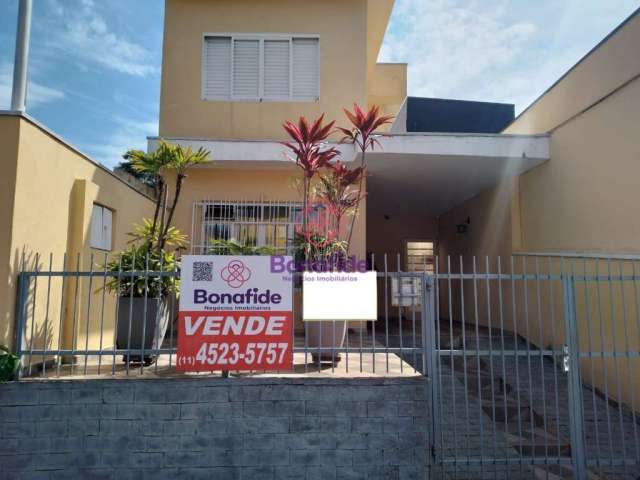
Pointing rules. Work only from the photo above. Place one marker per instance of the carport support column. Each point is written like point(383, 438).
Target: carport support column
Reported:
point(20, 67)
point(576, 413)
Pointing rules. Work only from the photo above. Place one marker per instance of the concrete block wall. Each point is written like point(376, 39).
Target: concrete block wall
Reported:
point(214, 428)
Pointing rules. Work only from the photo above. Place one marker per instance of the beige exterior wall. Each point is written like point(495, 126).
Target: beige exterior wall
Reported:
point(54, 191)
point(351, 33)
point(341, 25)
point(219, 183)
point(388, 88)
point(390, 237)
point(582, 200)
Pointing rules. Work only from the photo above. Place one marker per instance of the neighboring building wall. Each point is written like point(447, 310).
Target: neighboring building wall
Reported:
point(582, 200)
point(215, 428)
point(55, 189)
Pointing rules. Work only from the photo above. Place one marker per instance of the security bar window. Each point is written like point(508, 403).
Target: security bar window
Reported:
point(101, 227)
point(261, 68)
point(252, 224)
point(420, 257)
point(407, 291)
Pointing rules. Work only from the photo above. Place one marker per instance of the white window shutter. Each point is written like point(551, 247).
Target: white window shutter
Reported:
point(107, 228)
point(276, 69)
point(217, 68)
point(95, 240)
point(306, 70)
point(246, 69)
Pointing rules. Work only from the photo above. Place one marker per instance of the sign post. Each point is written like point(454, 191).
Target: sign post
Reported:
point(235, 314)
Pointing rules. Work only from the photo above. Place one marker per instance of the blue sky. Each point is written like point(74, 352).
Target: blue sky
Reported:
point(95, 65)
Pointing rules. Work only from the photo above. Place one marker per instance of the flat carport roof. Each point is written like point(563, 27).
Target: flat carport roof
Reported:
point(417, 174)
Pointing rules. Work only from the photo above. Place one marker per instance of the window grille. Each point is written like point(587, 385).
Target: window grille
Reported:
point(251, 223)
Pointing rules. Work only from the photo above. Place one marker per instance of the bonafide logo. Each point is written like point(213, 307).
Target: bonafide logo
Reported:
point(235, 274)
point(280, 264)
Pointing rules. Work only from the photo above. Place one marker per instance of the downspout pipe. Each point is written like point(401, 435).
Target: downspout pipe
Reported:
point(20, 67)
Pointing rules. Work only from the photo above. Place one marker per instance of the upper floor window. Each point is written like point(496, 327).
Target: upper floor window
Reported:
point(261, 68)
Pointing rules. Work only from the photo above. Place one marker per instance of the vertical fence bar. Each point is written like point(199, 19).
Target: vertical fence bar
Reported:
point(576, 412)
point(89, 297)
point(478, 365)
point(62, 315)
point(75, 308)
point(525, 291)
point(626, 354)
point(103, 289)
point(637, 323)
point(616, 365)
point(431, 353)
point(464, 360)
point(46, 318)
point(21, 310)
point(491, 371)
point(452, 367)
point(554, 344)
point(118, 283)
point(33, 311)
point(400, 301)
point(386, 311)
point(373, 324)
point(502, 349)
point(516, 358)
point(604, 362)
point(592, 365)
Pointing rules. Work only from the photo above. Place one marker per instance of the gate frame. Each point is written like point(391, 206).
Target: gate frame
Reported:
point(431, 366)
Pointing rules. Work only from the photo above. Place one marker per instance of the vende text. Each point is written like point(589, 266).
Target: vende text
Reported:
point(246, 340)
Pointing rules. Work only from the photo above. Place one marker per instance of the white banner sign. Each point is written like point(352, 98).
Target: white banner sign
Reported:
point(340, 296)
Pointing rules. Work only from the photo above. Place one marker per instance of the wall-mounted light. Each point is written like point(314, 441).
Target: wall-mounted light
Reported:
point(463, 228)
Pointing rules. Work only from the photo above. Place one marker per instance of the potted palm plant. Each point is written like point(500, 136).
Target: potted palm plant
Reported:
point(143, 276)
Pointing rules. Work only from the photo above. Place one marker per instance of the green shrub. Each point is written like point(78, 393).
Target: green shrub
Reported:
point(8, 364)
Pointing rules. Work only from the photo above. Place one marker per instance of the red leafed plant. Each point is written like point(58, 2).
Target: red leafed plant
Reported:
point(309, 153)
point(337, 193)
point(362, 133)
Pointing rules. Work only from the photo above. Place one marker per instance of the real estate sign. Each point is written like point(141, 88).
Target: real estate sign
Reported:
point(235, 314)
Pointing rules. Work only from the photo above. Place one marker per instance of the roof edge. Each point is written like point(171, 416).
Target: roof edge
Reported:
point(576, 65)
point(47, 131)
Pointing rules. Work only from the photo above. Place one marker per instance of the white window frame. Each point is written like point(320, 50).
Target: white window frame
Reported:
point(261, 37)
point(105, 242)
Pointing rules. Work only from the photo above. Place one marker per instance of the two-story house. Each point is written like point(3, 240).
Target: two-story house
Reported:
point(234, 71)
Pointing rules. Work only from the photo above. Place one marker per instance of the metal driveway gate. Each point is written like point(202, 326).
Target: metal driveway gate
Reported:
point(533, 372)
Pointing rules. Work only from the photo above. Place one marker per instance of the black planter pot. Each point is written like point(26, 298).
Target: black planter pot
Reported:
point(140, 316)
